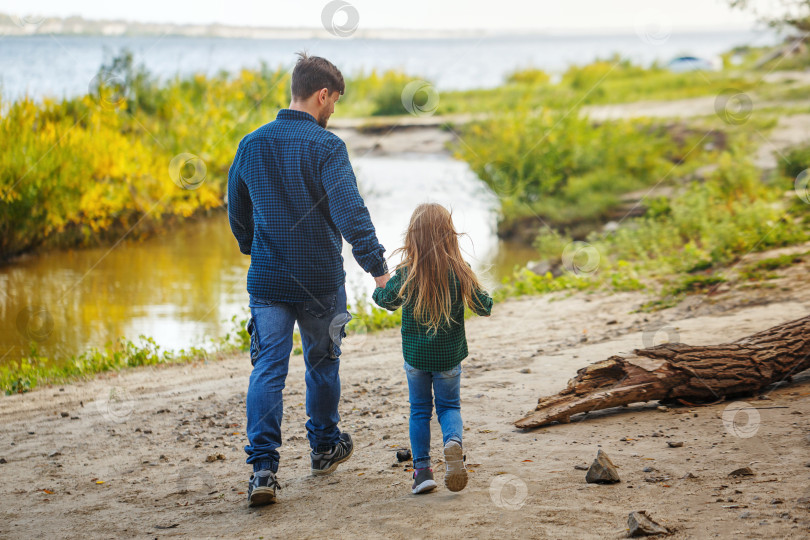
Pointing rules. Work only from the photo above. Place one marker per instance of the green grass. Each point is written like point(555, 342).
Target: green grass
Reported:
point(34, 370)
point(764, 269)
point(684, 244)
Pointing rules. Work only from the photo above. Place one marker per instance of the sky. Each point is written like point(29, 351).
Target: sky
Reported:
point(543, 15)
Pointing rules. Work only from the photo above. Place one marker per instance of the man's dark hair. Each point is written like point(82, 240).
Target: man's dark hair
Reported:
point(312, 73)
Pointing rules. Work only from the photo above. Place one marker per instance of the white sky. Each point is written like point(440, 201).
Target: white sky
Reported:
point(431, 14)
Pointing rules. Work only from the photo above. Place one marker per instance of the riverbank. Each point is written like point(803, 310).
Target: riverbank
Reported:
point(158, 451)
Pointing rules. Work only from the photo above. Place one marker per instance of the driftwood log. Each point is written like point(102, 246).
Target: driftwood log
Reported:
point(676, 371)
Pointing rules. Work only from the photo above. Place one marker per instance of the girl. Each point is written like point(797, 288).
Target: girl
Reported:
point(433, 284)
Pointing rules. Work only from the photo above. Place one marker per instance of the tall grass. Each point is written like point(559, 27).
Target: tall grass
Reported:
point(557, 165)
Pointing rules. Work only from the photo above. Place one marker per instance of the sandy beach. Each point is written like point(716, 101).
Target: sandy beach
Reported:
point(158, 452)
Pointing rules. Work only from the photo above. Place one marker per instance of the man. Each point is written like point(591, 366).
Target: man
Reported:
point(291, 195)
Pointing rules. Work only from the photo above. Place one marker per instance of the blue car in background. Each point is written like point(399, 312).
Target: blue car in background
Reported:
point(692, 63)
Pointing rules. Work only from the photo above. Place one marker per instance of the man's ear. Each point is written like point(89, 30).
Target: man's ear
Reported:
point(323, 95)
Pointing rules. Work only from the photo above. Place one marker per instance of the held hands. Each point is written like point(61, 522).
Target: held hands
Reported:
point(382, 280)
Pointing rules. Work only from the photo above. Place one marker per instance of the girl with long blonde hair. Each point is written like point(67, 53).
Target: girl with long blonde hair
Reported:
point(434, 285)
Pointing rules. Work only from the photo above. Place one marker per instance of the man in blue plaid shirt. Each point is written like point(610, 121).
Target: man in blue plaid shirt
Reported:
point(292, 194)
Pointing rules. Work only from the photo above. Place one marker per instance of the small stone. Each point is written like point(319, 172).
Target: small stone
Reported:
point(675, 444)
point(688, 476)
point(745, 515)
point(647, 469)
point(640, 524)
point(777, 501)
point(525, 370)
point(3, 460)
point(581, 467)
point(602, 470)
point(64, 414)
point(662, 408)
point(404, 455)
point(386, 437)
point(742, 471)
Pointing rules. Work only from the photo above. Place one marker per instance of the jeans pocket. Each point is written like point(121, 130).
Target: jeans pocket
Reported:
point(254, 340)
point(322, 306)
point(337, 331)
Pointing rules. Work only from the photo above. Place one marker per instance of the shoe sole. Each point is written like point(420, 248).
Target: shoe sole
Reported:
point(329, 470)
point(425, 487)
point(262, 496)
point(456, 476)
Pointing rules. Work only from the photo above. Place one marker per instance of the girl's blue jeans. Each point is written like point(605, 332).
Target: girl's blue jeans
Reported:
point(423, 388)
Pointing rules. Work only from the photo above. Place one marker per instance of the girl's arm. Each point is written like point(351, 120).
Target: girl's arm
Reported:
point(482, 304)
point(388, 297)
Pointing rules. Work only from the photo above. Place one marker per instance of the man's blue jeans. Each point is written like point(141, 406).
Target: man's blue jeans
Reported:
point(321, 322)
point(422, 385)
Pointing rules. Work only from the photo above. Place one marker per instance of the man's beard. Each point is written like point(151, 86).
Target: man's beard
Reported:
point(323, 119)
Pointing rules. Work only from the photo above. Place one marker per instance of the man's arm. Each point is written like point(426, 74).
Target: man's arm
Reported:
point(240, 207)
point(349, 212)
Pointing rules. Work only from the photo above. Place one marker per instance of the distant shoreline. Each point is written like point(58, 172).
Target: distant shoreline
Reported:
point(20, 26)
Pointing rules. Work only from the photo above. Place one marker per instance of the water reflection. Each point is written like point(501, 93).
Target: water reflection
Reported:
point(183, 286)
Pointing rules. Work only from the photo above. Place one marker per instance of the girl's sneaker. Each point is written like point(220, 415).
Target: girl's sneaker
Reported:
point(423, 481)
point(456, 476)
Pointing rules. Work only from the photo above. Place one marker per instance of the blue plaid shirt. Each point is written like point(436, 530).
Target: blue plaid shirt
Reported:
point(292, 193)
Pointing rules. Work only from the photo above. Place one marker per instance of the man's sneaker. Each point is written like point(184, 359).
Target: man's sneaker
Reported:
point(262, 488)
point(456, 476)
point(324, 463)
point(423, 481)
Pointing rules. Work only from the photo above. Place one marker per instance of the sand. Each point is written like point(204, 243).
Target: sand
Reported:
point(138, 465)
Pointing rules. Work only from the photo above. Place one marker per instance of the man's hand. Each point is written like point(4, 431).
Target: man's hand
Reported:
point(382, 280)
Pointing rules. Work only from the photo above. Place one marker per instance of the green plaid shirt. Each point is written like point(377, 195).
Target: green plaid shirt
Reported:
point(439, 351)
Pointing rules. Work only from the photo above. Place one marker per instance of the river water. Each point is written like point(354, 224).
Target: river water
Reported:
point(182, 287)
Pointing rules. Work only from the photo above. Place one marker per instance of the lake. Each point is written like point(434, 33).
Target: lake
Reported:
point(43, 65)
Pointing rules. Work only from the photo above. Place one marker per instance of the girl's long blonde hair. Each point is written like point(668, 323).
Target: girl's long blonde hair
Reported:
point(431, 253)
